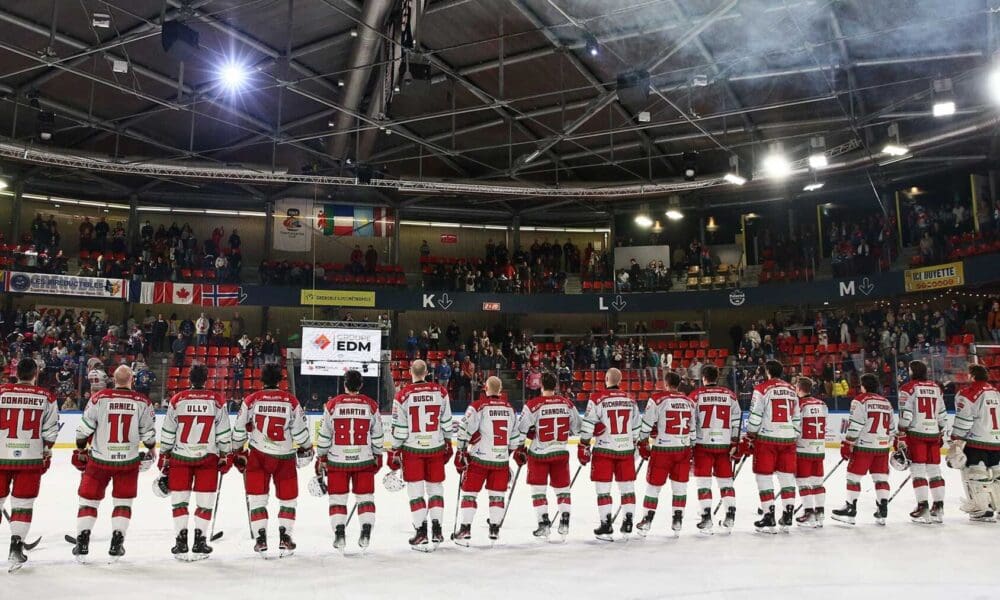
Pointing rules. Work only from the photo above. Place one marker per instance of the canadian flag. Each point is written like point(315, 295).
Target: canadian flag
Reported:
point(165, 292)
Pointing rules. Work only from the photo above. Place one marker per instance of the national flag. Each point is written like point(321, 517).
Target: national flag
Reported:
point(343, 219)
point(147, 292)
point(385, 222)
point(364, 221)
point(166, 292)
point(220, 295)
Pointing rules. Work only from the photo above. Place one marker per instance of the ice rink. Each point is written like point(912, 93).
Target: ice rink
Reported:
point(902, 560)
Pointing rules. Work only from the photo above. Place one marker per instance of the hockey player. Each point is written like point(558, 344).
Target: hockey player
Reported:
point(665, 439)
point(97, 376)
point(421, 445)
point(195, 444)
point(866, 448)
point(975, 445)
point(487, 435)
point(548, 420)
point(29, 424)
point(349, 454)
point(773, 428)
point(613, 422)
point(119, 427)
point(274, 423)
point(810, 452)
point(717, 434)
point(922, 421)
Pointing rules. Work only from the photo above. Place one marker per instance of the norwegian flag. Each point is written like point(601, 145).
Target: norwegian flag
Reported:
point(220, 295)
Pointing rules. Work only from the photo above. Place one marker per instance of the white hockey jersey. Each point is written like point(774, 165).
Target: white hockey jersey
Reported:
point(873, 423)
point(98, 380)
point(196, 426)
point(421, 418)
point(622, 421)
point(717, 416)
point(350, 434)
point(774, 413)
point(274, 422)
point(922, 412)
point(554, 419)
point(29, 424)
point(118, 422)
point(977, 416)
point(494, 420)
point(671, 416)
point(812, 441)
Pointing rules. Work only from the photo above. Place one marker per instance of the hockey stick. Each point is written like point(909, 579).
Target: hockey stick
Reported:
point(900, 488)
point(637, 471)
point(351, 515)
point(458, 501)
point(27, 545)
point(835, 467)
point(247, 498)
point(736, 474)
point(215, 512)
point(510, 496)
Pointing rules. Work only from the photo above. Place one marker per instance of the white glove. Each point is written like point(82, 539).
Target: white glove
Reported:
point(956, 456)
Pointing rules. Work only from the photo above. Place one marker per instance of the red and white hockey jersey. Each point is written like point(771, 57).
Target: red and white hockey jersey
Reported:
point(350, 433)
point(717, 418)
point(118, 422)
point(977, 416)
point(622, 421)
point(922, 412)
point(421, 418)
point(196, 426)
point(774, 413)
point(495, 422)
point(812, 442)
point(554, 420)
point(274, 422)
point(671, 416)
point(29, 423)
point(98, 379)
point(873, 423)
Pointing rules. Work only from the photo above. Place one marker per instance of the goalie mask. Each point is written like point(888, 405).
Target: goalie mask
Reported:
point(900, 459)
point(160, 487)
point(393, 482)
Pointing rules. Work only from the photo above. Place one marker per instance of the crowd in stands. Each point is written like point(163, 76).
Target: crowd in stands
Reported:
point(363, 269)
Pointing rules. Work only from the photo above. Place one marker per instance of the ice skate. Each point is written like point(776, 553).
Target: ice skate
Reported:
point(604, 531)
point(544, 528)
point(937, 512)
point(643, 527)
point(365, 539)
point(200, 548)
point(983, 516)
point(419, 540)
point(729, 520)
point(806, 519)
point(921, 514)
point(766, 523)
point(463, 536)
point(564, 526)
point(260, 544)
point(676, 521)
point(82, 547)
point(180, 548)
point(117, 548)
point(494, 534)
point(286, 547)
point(785, 522)
point(846, 514)
point(881, 512)
point(16, 556)
point(437, 536)
point(626, 528)
point(339, 538)
point(820, 514)
point(705, 525)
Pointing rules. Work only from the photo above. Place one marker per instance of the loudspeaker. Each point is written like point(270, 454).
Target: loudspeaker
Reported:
point(179, 41)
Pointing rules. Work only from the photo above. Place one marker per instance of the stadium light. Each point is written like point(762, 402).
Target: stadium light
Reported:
point(777, 166)
point(734, 179)
point(591, 43)
point(993, 84)
point(943, 109)
point(818, 161)
point(643, 221)
point(944, 98)
point(3, 184)
point(894, 147)
point(233, 75)
point(674, 215)
point(812, 187)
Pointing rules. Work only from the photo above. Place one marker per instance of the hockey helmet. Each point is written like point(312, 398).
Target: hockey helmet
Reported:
point(900, 459)
point(317, 486)
point(160, 487)
point(393, 482)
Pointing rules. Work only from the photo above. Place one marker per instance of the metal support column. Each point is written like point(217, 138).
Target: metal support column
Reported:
point(395, 237)
point(268, 236)
point(15, 213)
point(515, 225)
point(132, 226)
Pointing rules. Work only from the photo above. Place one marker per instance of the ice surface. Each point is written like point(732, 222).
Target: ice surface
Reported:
point(902, 560)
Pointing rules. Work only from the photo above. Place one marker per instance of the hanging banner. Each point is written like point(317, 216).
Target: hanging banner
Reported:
point(935, 277)
point(65, 285)
point(292, 231)
point(353, 221)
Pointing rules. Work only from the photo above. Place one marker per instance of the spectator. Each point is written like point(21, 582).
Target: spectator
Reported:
point(238, 365)
point(178, 347)
point(443, 373)
point(435, 335)
point(371, 259)
point(237, 326)
point(993, 321)
point(234, 242)
point(425, 249)
point(411, 346)
point(201, 328)
point(158, 335)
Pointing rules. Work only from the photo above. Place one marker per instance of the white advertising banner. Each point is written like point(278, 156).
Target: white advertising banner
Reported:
point(65, 285)
point(332, 352)
point(291, 227)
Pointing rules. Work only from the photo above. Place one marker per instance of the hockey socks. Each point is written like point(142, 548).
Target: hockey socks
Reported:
point(258, 511)
point(338, 510)
point(366, 508)
point(935, 482)
point(496, 507)
point(86, 516)
point(179, 501)
point(20, 516)
point(435, 501)
point(286, 515)
point(203, 514)
point(787, 483)
point(919, 473)
point(418, 505)
point(121, 514)
point(765, 487)
point(603, 499)
point(540, 501)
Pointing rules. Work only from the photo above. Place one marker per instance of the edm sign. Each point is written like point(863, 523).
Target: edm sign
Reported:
point(333, 351)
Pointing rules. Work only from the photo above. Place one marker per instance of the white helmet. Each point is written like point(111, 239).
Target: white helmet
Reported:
point(900, 459)
point(393, 482)
point(317, 486)
point(160, 487)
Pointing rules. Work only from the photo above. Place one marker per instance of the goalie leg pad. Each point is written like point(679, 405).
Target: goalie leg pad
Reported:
point(978, 482)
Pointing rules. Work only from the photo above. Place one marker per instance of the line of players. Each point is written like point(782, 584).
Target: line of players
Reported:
point(785, 435)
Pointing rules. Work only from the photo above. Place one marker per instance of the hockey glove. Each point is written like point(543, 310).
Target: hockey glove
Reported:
point(79, 460)
point(378, 463)
point(46, 460)
point(900, 442)
point(521, 456)
point(146, 459)
point(644, 450)
point(846, 448)
point(240, 459)
point(304, 456)
point(395, 459)
point(226, 463)
point(320, 466)
point(531, 433)
point(583, 452)
point(461, 461)
point(449, 451)
point(956, 458)
point(164, 461)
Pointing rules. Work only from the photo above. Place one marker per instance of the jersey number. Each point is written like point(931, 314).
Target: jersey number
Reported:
point(814, 428)
point(993, 416)
point(676, 423)
point(31, 420)
point(186, 423)
point(619, 420)
point(351, 432)
point(721, 411)
point(553, 429)
point(121, 425)
point(779, 411)
point(880, 420)
point(418, 424)
point(499, 434)
point(273, 428)
point(925, 406)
